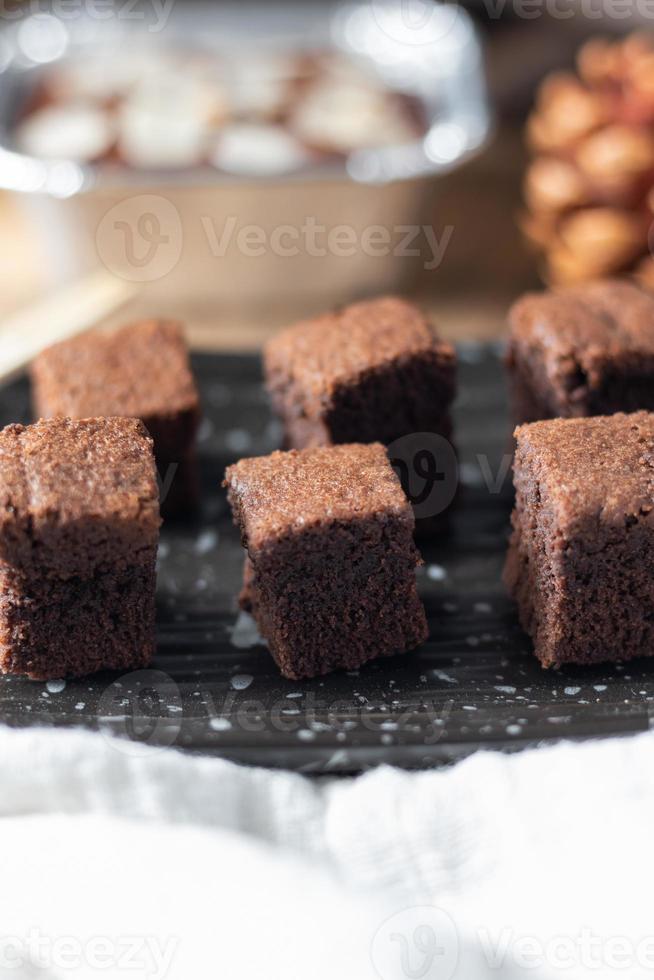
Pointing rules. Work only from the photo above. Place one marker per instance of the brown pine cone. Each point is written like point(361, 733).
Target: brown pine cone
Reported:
point(589, 189)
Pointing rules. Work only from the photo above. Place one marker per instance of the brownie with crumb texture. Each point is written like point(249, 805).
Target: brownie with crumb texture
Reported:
point(330, 573)
point(582, 350)
point(139, 371)
point(581, 557)
point(79, 526)
point(372, 372)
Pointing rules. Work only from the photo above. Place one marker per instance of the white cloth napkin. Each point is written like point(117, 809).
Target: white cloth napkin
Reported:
point(178, 867)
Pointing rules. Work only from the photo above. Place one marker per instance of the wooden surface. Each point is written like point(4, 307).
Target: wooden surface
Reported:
point(484, 267)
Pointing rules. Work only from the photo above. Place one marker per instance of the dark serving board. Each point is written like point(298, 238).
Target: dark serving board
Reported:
point(213, 689)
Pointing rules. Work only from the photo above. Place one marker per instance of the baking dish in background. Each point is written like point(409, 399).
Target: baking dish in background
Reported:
point(341, 228)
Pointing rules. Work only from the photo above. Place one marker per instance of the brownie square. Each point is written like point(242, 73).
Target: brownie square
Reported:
point(140, 371)
point(374, 371)
point(581, 558)
point(331, 572)
point(79, 526)
point(582, 350)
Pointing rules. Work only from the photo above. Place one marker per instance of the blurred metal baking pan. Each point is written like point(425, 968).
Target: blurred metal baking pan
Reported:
point(171, 222)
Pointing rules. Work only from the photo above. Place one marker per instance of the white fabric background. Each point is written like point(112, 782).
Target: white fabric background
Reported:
point(547, 856)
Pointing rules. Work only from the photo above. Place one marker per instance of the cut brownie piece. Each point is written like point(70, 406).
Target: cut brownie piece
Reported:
point(582, 350)
point(79, 526)
point(581, 558)
point(140, 371)
point(331, 574)
point(374, 371)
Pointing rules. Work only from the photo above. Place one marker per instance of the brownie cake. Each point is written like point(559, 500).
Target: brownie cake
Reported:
point(79, 525)
point(140, 371)
point(374, 371)
point(330, 577)
point(581, 558)
point(582, 350)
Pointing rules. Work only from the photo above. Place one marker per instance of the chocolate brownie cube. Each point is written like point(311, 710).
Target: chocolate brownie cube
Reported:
point(581, 558)
point(372, 372)
point(140, 371)
point(79, 526)
point(330, 577)
point(582, 350)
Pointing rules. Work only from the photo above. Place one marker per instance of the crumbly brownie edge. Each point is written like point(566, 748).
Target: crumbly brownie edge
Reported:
point(529, 572)
point(56, 524)
point(51, 628)
point(530, 397)
point(337, 596)
point(570, 355)
point(413, 394)
point(383, 403)
point(173, 426)
point(295, 490)
point(585, 592)
point(328, 563)
point(97, 351)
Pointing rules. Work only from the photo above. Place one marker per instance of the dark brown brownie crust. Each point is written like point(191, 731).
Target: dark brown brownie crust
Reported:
point(374, 371)
point(329, 535)
point(79, 526)
point(57, 628)
point(581, 558)
point(140, 371)
point(76, 497)
point(583, 350)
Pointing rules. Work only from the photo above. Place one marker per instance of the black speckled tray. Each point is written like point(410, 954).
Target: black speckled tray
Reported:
point(214, 689)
